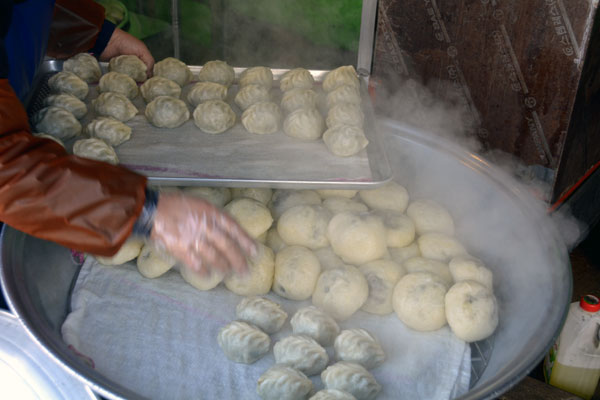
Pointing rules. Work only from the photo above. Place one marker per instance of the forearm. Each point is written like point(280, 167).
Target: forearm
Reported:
point(79, 203)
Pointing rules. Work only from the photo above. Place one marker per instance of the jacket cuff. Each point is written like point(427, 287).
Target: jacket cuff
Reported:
point(143, 225)
point(103, 38)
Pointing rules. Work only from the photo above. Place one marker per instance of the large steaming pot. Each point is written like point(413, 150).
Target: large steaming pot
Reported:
point(497, 220)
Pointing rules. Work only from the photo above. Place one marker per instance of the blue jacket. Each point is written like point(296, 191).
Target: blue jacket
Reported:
point(25, 41)
point(24, 33)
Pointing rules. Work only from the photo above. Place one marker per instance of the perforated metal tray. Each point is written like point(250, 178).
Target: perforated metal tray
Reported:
point(187, 156)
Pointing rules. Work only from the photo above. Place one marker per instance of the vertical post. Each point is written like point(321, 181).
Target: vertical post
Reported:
point(175, 28)
point(367, 37)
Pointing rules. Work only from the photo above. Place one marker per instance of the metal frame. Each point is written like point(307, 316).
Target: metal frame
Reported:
point(367, 37)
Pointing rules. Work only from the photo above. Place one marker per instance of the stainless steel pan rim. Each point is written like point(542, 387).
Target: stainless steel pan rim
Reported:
point(502, 380)
point(512, 374)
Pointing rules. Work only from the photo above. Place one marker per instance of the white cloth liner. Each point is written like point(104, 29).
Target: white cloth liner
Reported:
point(157, 337)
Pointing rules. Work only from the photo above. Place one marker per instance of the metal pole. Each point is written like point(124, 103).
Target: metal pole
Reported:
point(367, 37)
point(175, 28)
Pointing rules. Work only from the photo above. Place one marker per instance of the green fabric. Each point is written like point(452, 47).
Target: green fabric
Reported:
point(334, 23)
point(194, 19)
point(327, 22)
point(115, 12)
point(142, 26)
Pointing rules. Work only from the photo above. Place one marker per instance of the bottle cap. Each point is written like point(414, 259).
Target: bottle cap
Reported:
point(590, 303)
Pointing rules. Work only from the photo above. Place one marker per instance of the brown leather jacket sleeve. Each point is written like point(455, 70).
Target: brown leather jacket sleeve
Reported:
point(83, 204)
point(75, 27)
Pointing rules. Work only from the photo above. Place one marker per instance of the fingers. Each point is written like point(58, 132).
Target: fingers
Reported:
point(226, 245)
point(220, 244)
point(237, 234)
point(146, 57)
point(122, 42)
point(200, 235)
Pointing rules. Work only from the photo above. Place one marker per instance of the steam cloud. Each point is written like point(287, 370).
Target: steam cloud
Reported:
point(437, 110)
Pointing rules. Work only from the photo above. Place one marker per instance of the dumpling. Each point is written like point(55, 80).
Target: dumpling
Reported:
point(341, 291)
point(352, 378)
point(173, 69)
point(345, 114)
point(167, 112)
point(214, 116)
point(305, 124)
point(282, 382)
point(421, 264)
point(357, 238)
point(274, 241)
point(114, 105)
point(332, 394)
point(69, 102)
point(312, 322)
point(257, 76)
point(112, 131)
point(128, 251)
point(69, 83)
point(57, 122)
point(391, 196)
point(85, 66)
point(262, 118)
point(359, 346)
point(305, 225)
point(471, 310)
point(217, 71)
point(205, 281)
point(382, 276)
point(253, 216)
point(343, 95)
point(400, 229)
point(418, 301)
point(95, 149)
point(296, 78)
point(298, 98)
point(261, 312)
point(347, 193)
point(465, 268)
point(342, 204)
point(204, 91)
point(159, 86)
point(328, 258)
point(262, 195)
point(439, 246)
point(341, 76)
point(152, 262)
point(296, 272)
point(345, 140)
point(302, 353)
point(259, 278)
point(243, 343)
point(251, 94)
point(118, 83)
point(430, 216)
point(283, 200)
point(401, 254)
point(217, 196)
point(129, 65)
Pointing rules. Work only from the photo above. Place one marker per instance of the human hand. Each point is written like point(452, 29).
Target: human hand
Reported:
point(200, 235)
point(121, 43)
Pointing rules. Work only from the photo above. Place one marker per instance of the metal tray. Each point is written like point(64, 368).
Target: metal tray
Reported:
point(186, 156)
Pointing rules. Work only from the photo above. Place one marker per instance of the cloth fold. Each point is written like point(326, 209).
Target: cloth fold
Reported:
point(158, 338)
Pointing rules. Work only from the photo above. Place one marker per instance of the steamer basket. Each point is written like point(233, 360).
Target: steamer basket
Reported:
point(497, 220)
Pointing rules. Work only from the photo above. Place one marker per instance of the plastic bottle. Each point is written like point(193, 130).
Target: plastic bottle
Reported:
point(573, 363)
